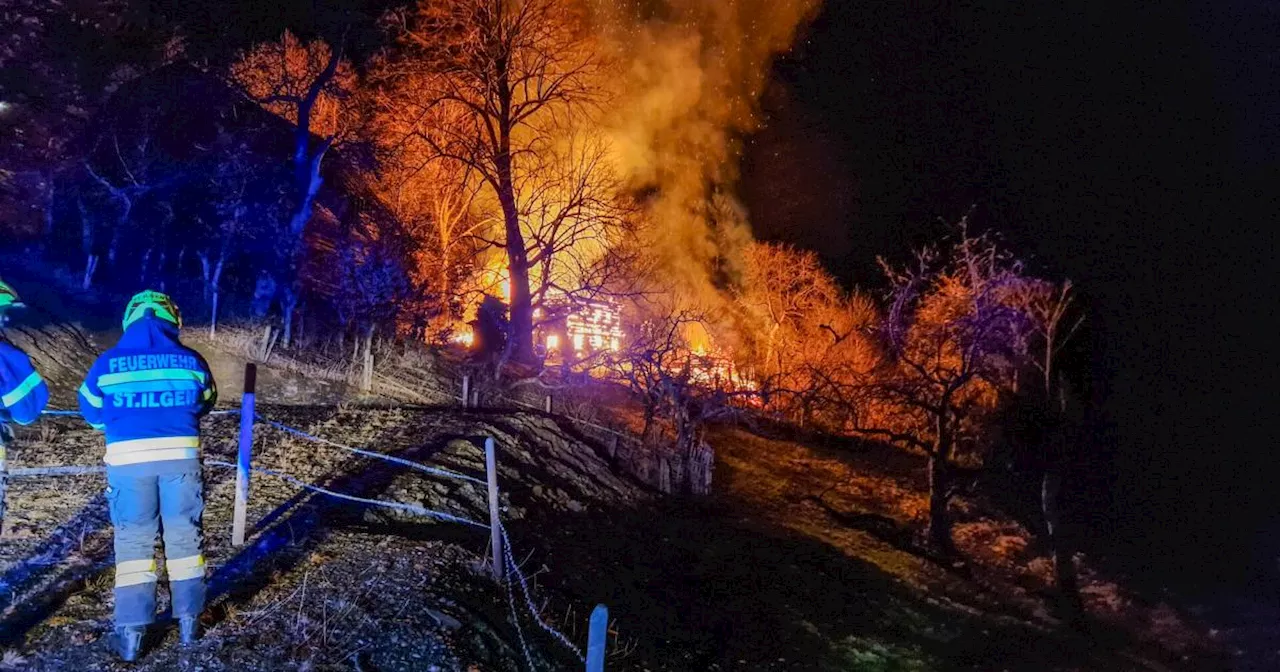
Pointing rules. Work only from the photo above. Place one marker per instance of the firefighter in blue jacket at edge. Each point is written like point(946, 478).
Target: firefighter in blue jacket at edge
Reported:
point(148, 394)
point(23, 393)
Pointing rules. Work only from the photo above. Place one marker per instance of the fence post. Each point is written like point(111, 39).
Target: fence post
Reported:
point(366, 376)
point(597, 639)
point(495, 525)
point(247, 416)
point(475, 398)
point(548, 404)
point(466, 391)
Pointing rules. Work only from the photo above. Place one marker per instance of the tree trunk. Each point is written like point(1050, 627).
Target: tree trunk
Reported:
point(939, 523)
point(288, 304)
point(939, 495)
point(90, 265)
point(213, 314)
point(521, 301)
point(1064, 567)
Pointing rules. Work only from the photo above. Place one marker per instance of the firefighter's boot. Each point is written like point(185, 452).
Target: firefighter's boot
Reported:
point(188, 630)
point(127, 642)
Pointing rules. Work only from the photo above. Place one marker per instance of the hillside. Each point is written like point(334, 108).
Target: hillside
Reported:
point(804, 558)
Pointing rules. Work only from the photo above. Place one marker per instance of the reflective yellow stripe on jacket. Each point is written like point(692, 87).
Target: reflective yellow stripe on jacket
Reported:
point(160, 449)
point(12, 397)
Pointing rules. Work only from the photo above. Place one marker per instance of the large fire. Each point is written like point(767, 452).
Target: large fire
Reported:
point(595, 325)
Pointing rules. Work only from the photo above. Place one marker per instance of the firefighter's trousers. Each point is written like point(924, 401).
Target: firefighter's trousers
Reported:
point(143, 498)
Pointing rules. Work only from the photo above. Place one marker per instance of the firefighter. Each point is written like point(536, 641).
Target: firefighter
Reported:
point(23, 393)
point(148, 394)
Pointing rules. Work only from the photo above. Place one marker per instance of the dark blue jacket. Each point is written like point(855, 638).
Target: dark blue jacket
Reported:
point(148, 394)
point(23, 393)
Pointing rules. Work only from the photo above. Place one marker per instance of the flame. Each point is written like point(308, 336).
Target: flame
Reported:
point(597, 324)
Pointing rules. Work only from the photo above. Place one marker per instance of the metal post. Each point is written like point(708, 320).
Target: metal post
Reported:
point(597, 639)
point(466, 391)
point(548, 404)
point(242, 461)
point(495, 527)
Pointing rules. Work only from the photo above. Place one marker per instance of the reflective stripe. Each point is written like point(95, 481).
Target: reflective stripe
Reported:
point(153, 450)
point(98, 426)
point(22, 390)
point(185, 569)
point(138, 445)
point(93, 399)
point(154, 374)
point(135, 572)
point(152, 386)
point(153, 456)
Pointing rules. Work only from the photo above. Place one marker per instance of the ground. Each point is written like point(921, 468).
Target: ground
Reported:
point(804, 558)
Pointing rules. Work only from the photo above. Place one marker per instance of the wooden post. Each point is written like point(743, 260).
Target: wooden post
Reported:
point(475, 398)
point(466, 391)
point(366, 379)
point(495, 524)
point(599, 634)
point(242, 459)
point(548, 404)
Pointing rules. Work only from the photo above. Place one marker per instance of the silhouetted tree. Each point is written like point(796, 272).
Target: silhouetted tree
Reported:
point(306, 84)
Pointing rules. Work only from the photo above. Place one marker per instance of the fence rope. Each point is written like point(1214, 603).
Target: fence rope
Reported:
point(528, 597)
point(411, 508)
point(55, 471)
point(369, 453)
point(515, 620)
point(513, 568)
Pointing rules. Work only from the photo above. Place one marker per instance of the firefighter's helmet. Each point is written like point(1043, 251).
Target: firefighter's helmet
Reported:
point(9, 297)
point(157, 303)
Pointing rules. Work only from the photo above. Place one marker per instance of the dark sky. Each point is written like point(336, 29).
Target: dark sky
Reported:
point(1131, 149)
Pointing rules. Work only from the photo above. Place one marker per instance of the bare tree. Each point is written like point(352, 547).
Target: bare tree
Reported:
point(954, 333)
point(1054, 322)
point(230, 182)
point(494, 84)
point(129, 167)
point(307, 84)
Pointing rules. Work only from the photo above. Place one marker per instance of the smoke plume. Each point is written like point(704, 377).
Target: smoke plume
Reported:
point(693, 72)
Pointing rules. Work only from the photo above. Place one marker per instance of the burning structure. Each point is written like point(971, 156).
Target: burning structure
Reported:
point(590, 326)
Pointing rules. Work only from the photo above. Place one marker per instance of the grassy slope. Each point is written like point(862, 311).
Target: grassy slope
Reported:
point(767, 576)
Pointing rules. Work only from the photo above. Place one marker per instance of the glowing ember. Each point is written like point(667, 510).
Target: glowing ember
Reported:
point(466, 337)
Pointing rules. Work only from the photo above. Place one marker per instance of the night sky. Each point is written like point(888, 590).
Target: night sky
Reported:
point(1131, 150)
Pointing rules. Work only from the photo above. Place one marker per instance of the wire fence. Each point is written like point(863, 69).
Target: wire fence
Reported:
point(502, 553)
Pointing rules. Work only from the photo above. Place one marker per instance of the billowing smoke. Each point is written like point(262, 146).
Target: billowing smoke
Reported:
point(692, 75)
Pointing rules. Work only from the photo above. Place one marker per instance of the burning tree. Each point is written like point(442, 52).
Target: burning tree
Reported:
point(954, 335)
point(807, 333)
point(497, 86)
